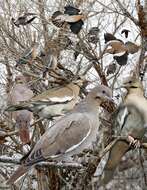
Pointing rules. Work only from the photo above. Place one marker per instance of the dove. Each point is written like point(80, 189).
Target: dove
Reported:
point(71, 16)
point(52, 102)
point(70, 135)
point(119, 49)
point(131, 118)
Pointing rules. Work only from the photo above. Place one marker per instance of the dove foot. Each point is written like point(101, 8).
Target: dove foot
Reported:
point(134, 142)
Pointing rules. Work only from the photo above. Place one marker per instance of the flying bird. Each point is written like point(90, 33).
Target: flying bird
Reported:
point(71, 16)
point(21, 92)
point(24, 19)
point(119, 49)
point(68, 136)
point(53, 102)
point(125, 32)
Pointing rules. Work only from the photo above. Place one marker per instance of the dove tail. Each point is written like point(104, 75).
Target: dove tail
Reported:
point(18, 107)
point(116, 153)
point(17, 174)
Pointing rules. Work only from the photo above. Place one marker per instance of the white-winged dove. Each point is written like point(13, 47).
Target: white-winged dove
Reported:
point(53, 102)
point(21, 92)
point(71, 16)
point(24, 19)
point(130, 122)
point(131, 119)
point(135, 95)
point(119, 49)
point(70, 135)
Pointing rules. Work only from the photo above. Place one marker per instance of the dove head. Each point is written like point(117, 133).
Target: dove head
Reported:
point(100, 94)
point(132, 83)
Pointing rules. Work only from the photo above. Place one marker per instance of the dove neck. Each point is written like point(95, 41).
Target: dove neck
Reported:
point(88, 105)
point(135, 90)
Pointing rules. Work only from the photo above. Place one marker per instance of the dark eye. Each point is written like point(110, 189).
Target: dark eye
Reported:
point(103, 92)
point(130, 82)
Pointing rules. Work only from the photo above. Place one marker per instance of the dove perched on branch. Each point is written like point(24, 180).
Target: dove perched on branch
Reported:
point(70, 135)
point(126, 32)
point(131, 119)
point(52, 102)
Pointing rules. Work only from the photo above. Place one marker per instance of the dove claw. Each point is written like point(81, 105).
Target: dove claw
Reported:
point(133, 142)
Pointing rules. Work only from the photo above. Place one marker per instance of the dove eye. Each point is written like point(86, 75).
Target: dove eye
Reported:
point(103, 92)
point(130, 82)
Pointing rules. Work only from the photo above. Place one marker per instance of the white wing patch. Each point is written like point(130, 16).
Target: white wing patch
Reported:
point(60, 18)
point(119, 54)
point(76, 145)
point(115, 41)
point(121, 120)
point(61, 99)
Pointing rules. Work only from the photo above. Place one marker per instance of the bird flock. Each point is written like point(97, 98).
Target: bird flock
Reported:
point(76, 117)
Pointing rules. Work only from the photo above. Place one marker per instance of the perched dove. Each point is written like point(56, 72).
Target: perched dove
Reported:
point(70, 135)
point(53, 102)
point(129, 121)
point(132, 120)
point(21, 92)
